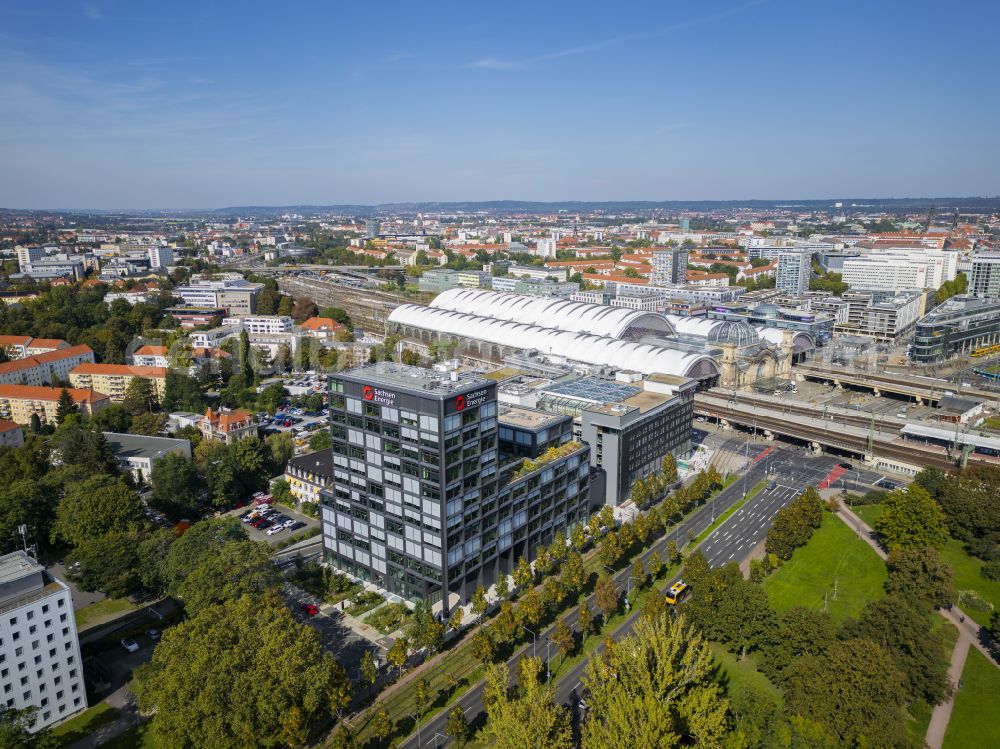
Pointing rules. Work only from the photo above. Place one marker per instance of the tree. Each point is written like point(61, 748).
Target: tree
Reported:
point(526, 718)
point(585, 620)
point(149, 424)
point(920, 577)
point(426, 631)
point(65, 407)
point(798, 631)
point(907, 635)
point(971, 501)
point(655, 564)
point(606, 595)
point(109, 563)
point(97, 506)
point(501, 586)
point(381, 723)
point(398, 653)
point(201, 541)
point(578, 538)
point(26, 502)
point(744, 617)
point(368, 669)
point(653, 687)
point(911, 519)
point(458, 727)
point(36, 424)
point(238, 568)
point(321, 440)
point(282, 448)
point(638, 573)
point(76, 446)
point(176, 484)
point(271, 397)
point(532, 608)
point(479, 601)
point(457, 615)
point(15, 729)
point(421, 695)
point(522, 573)
point(482, 647)
point(181, 392)
point(304, 308)
point(507, 626)
point(111, 418)
point(854, 691)
point(669, 468)
point(140, 396)
point(564, 639)
point(208, 673)
point(573, 575)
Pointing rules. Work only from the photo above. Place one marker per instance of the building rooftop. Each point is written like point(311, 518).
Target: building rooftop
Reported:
point(141, 446)
point(593, 389)
point(15, 566)
point(393, 375)
point(319, 463)
point(528, 418)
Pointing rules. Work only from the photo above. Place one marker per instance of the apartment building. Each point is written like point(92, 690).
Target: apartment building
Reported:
point(113, 379)
point(321, 327)
point(985, 278)
point(265, 324)
point(20, 346)
point(45, 368)
point(227, 425)
point(19, 402)
point(425, 502)
point(792, 274)
point(11, 434)
point(150, 356)
point(40, 662)
point(669, 265)
point(882, 314)
point(307, 475)
point(160, 256)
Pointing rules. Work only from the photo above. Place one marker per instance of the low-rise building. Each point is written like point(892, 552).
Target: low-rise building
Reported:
point(308, 474)
point(321, 327)
point(137, 453)
point(194, 317)
point(19, 402)
point(40, 662)
point(150, 356)
point(11, 434)
point(227, 425)
point(113, 379)
point(20, 346)
point(266, 324)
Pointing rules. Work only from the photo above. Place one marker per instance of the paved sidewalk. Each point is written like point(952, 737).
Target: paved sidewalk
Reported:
point(123, 700)
point(942, 713)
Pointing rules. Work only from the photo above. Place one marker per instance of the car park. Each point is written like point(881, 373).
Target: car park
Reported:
point(129, 644)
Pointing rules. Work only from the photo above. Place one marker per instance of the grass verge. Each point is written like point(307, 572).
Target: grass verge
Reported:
point(836, 571)
point(101, 612)
point(84, 724)
point(971, 726)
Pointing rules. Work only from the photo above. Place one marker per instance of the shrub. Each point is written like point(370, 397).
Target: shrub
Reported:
point(363, 602)
point(970, 599)
point(991, 571)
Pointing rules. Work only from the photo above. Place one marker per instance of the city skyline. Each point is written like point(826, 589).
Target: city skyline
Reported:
point(198, 107)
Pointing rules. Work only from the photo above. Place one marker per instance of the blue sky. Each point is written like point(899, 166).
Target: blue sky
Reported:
point(209, 104)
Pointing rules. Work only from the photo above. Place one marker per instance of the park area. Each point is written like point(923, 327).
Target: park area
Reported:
point(975, 721)
point(979, 597)
point(835, 571)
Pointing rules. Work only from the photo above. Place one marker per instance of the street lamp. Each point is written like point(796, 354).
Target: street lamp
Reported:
point(548, 668)
point(417, 722)
point(533, 638)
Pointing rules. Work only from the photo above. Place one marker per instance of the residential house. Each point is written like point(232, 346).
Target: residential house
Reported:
point(227, 425)
point(114, 379)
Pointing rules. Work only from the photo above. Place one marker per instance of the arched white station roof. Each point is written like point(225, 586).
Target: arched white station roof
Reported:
point(581, 347)
point(694, 326)
point(558, 314)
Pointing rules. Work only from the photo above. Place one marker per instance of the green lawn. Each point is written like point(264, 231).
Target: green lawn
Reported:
point(965, 566)
point(971, 726)
point(133, 738)
point(739, 676)
point(836, 569)
point(84, 724)
point(101, 612)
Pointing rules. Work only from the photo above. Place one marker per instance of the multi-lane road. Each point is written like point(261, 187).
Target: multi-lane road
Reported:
point(790, 470)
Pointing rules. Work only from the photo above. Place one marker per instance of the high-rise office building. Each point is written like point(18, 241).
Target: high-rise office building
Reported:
point(669, 265)
point(985, 281)
point(40, 664)
point(425, 497)
point(794, 267)
point(371, 228)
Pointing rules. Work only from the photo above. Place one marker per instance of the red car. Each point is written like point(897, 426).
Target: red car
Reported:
point(310, 608)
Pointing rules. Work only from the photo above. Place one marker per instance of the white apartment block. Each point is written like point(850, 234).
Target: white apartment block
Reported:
point(646, 303)
point(984, 280)
point(669, 266)
point(545, 248)
point(886, 273)
point(794, 267)
point(40, 663)
point(265, 324)
point(28, 255)
point(160, 256)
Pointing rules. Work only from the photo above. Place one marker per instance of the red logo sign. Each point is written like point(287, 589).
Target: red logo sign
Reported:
point(460, 403)
point(368, 393)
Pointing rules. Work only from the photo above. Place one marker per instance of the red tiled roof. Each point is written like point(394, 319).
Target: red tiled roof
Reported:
point(128, 370)
point(8, 426)
point(80, 395)
point(14, 340)
point(151, 351)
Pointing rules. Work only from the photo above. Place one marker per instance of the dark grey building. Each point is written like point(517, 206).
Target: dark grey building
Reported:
point(423, 499)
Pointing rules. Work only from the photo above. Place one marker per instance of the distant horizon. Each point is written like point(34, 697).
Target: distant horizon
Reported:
point(785, 202)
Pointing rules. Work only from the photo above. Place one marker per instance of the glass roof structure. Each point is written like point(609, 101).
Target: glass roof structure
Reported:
point(558, 314)
point(575, 346)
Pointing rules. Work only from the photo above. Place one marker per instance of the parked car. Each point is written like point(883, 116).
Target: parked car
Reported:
point(310, 608)
point(129, 644)
point(296, 524)
point(153, 634)
point(275, 529)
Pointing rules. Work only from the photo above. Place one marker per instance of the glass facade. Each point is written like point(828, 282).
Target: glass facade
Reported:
point(421, 502)
point(959, 326)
